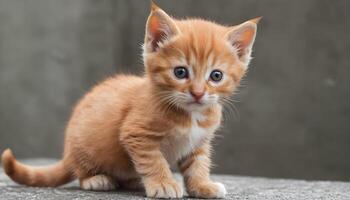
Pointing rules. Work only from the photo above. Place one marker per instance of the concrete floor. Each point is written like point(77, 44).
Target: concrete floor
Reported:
point(239, 187)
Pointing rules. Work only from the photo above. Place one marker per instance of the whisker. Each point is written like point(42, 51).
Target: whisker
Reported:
point(230, 109)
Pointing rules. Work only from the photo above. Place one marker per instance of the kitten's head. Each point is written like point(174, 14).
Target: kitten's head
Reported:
point(195, 63)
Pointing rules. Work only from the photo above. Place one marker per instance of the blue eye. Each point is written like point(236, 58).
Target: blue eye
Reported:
point(181, 72)
point(216, 75)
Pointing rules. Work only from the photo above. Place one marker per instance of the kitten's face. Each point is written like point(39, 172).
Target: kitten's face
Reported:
point(195, 63)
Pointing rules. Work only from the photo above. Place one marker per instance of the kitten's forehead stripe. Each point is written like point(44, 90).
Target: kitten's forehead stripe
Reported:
point(201, 51)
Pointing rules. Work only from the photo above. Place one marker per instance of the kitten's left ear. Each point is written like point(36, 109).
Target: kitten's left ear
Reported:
point(242, 37)
point(160, 27)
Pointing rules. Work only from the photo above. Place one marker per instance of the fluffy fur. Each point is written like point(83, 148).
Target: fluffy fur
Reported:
point(129, 130)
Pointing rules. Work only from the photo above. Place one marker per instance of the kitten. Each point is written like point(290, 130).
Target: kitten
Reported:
point(128, 130)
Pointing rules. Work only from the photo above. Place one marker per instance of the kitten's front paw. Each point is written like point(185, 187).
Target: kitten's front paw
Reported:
point(207, 190)
point(163, 189)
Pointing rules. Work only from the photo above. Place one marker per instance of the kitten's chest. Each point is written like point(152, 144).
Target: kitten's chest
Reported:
point(182, 141)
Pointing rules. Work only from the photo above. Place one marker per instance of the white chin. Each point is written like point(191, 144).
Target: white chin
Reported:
point(195, 106)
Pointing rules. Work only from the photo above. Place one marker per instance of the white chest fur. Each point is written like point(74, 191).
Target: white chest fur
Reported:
point(182, 141)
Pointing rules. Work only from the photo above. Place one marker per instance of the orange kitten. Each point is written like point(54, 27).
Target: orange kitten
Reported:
point(129, 130)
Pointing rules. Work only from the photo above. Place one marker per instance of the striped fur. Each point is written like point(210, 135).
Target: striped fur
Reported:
point(128, 130)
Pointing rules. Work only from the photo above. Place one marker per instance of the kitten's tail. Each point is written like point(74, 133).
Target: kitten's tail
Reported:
point(49, 176)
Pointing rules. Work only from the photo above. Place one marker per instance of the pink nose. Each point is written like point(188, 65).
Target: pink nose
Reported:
point(197, 95)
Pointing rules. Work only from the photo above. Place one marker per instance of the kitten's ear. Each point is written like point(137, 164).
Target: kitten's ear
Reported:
point(242, 37)
point(160, 27)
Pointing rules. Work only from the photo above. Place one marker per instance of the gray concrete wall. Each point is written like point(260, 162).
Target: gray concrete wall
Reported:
point(294, 107)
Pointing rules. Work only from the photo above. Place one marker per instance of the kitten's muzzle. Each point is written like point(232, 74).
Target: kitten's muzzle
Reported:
point(197, 95)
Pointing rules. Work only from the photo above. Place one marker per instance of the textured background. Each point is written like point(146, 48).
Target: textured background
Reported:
point(294, 112)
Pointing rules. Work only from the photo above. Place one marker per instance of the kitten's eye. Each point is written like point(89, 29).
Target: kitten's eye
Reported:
point(216, 75)
point(181, 72)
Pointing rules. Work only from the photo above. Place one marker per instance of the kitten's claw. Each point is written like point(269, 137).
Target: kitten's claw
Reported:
point(164, 189)
point(208, 190)
point(98, 183)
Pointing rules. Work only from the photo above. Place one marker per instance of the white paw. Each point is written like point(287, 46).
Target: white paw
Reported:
point(163, 190)
point(221, 190)
point(207, 190)
point(98, 183)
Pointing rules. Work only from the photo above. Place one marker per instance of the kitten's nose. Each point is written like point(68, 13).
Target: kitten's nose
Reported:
point(197, 95)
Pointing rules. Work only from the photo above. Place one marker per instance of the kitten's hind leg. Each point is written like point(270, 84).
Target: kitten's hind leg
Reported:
point(98, 183)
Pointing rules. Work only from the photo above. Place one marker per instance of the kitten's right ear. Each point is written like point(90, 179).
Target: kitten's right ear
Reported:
point(160, 27)
point(242, 37)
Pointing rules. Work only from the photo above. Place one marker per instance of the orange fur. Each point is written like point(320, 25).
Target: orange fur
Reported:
point(129, 130)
